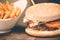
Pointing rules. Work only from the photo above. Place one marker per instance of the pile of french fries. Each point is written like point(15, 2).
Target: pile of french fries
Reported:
point(7, 10)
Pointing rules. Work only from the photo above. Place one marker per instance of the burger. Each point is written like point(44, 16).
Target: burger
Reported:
point(43, 19)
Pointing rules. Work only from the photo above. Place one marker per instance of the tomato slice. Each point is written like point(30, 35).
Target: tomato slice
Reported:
point(53, 24)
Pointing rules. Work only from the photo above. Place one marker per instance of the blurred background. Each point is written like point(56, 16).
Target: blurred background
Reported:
point(54, 1)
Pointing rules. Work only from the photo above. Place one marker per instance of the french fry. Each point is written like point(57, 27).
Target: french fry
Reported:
point(12, 4)
point(0, 5)
point(3, 6)
point(9, 6)
point(18, 12)
point(7, 2)
point(1, 14)
point(13, 13)
point(7, 14)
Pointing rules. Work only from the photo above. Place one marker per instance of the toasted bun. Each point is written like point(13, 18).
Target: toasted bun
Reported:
point(43, 12)
point(42, 33)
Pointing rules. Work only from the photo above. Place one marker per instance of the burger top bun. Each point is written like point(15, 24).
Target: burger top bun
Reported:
point(43, 12)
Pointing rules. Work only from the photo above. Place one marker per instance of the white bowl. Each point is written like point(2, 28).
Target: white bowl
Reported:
point(7, 24)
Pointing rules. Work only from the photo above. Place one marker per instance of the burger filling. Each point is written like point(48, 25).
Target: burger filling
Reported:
point(48, 26)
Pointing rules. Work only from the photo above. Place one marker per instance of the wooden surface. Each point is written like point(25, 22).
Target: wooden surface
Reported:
point(18, 33)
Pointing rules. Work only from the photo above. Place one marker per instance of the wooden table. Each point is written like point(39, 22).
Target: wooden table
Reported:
point(18, 33)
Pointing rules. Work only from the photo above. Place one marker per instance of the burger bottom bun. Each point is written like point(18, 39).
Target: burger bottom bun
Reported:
point(42, 33)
